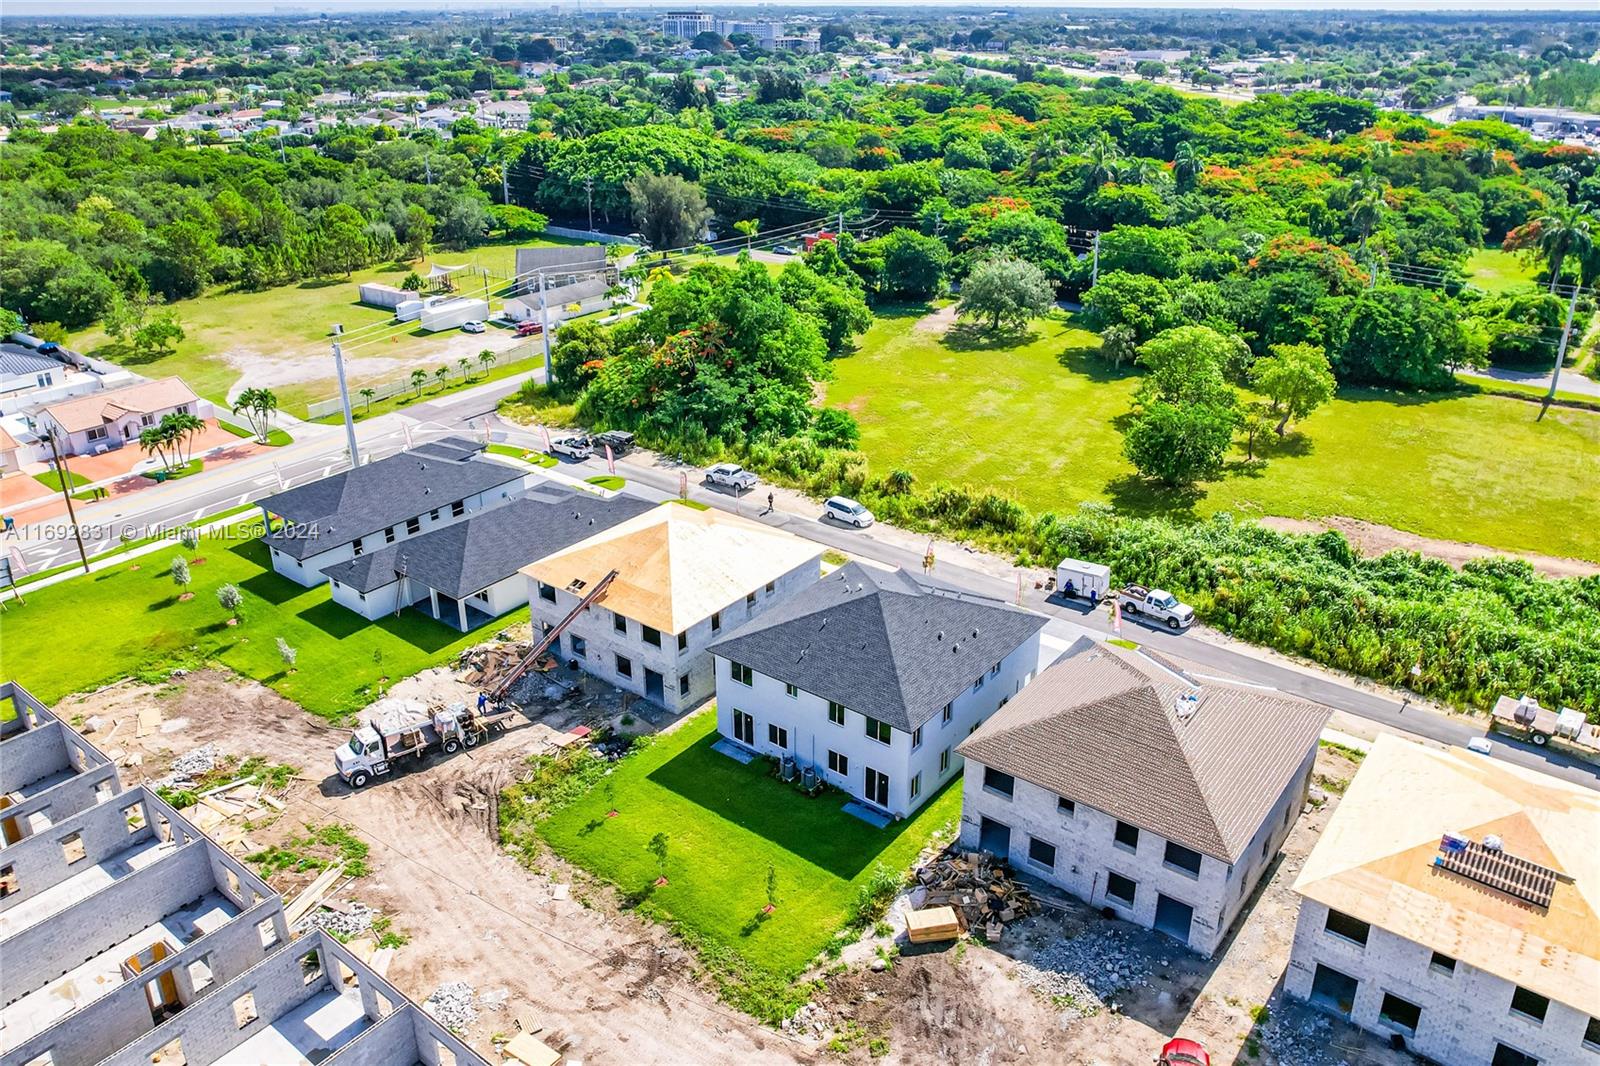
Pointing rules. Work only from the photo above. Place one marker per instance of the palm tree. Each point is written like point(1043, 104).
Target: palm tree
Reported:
point(443, 375)
point(257, 406)
point(486, 358)
point(1564, 231)
point(153, 440)
point(464, 366)
point(1138, 171)
point(1102, 154)
point(183, 427)
point(1482, 160)
point(366, 396)
point(749, 228)
point(418, 379)
point(1366, 210)
point(1043, 152)
point(1186, 165)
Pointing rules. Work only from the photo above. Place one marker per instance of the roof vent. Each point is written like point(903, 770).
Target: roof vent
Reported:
point(1493, 843)
point(940, 636)
point(802, 653)
point(955, 647)
point(824, 624)
point(1186, 704)
point(974, 633)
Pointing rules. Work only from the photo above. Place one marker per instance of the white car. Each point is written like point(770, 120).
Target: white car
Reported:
point(1481, 745)
point(472, 327)
point(577, 448)
point(731, 475)
point(848, 511)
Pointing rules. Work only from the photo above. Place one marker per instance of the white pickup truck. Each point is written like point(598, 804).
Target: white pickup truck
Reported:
point(731, 475)
point(577, 448)
point(1156, 604)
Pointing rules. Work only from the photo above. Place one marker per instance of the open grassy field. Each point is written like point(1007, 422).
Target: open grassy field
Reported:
point(1493, 270)
point(1038, 419)
point(433, 390)
point(280, 337)
point(102, 627)
point(726, 823)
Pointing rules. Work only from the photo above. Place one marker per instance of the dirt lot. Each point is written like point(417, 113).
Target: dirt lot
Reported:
point(1374, 539)
point(550, 946)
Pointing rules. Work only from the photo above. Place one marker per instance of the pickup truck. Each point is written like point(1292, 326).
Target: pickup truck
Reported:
point(1157, 604)
point(577, 448)
point(731, 475)
point(619, 441)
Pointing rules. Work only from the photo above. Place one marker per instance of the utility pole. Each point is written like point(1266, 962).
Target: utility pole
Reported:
point(1561, 353)
point(64, 476)
point(1094, 269)
point(344, 399)
point(505, 186)
point(427, 167)
point(588, 192)
point(544, 329)
point(841, 223)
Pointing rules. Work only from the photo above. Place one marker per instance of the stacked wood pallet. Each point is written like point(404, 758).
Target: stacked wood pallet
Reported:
point(485, 664)
point(979, 888)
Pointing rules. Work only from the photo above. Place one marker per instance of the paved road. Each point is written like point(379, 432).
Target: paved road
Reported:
point(1571, 380)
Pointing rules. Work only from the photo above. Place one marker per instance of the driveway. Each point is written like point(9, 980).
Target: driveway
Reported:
point(1571, 380)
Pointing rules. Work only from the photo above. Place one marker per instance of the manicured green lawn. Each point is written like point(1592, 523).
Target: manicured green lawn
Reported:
point(102, 627)
point(725, 824)
point(1037, 420)
point(606, 481)
point(51, 479)
point(433, 390)
point(1494, 270)
point(276, 438)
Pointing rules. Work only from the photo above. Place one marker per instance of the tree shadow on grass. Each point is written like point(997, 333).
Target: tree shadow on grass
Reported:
point(1293, 445)
point(1086, 359)
point(272, 588)
point(971, 337)
point(322, 283)
point(162, 604)
point(1145, 498)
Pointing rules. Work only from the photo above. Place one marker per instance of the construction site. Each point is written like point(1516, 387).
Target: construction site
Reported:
point(408, 876)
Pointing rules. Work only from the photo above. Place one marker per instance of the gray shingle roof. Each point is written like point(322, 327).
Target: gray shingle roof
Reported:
point(469, 555)
point(880, 642)
point(337, 509)
point(1102, 726)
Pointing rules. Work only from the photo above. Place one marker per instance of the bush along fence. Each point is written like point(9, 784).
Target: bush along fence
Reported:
point(1491, 628)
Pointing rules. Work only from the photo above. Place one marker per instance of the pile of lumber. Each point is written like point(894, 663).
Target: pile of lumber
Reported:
point(486, 664)
point(979, 888)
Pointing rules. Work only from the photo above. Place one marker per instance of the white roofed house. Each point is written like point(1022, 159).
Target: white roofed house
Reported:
point(110, 418)
point(1134, 786)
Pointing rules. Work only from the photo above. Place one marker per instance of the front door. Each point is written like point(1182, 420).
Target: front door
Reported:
point(1173, 918)
point(877, 787)
point(654, 687)
point(744, 728)
point(994, 837)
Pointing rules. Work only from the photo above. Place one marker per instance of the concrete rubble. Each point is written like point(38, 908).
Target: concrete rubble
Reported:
point(190, 766)
point(453, 1006)
point(1086, 973)
point(344, 921)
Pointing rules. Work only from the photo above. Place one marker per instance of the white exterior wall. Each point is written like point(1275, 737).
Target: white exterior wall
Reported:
point(1087, 852)
point(603, 642)
point(1464, 1014)
point(811, 736)
point(122, 431)
point(369, 605)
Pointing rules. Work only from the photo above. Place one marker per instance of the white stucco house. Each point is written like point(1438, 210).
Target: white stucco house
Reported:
point(684, 577)
point(468, 572)
point(99, 421)
point(345, 515)
point(872, 677)
point(1453, 903)
point(1136, 787)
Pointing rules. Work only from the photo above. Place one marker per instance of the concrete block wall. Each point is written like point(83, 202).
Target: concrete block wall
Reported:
point(1268, 840)
point(39, 863)
point(30, 712)
point(407, 1035)
point(51, 748)
point(1465, 1013)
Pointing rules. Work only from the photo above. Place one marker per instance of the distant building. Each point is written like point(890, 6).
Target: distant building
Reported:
point(561, 265)
point(111, 418)
point(1453, 903)
point(766, 34)
point(687, 25)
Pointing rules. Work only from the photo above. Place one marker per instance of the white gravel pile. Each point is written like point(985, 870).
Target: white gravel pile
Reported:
point(191, 765)
point(357, 921)
point(452, 1005)
point(1085, 974)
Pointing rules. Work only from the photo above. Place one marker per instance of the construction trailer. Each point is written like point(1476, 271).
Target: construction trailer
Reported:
point(452, 314)
point(377, 294)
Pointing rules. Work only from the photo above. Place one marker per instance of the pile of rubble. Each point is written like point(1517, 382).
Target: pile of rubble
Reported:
point(810, 1018)
point(342, 920)
point(189, 767)
point(1084, 974)
point(485, 664)
point(980, 888)
point(453, 1005)
point(1296, 1033)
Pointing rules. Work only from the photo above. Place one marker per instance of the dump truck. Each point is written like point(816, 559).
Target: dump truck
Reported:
point(1156, 604)
point(397, 730)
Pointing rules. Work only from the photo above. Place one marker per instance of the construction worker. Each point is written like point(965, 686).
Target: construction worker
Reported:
point(483, 702)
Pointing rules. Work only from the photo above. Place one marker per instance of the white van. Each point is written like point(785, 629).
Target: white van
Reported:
point(848, 511)
point(1089, 581)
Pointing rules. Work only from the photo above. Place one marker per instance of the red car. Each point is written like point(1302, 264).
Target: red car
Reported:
point(528, 329)
point(1181, 1052)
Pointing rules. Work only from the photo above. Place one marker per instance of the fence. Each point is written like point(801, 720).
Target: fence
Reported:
point(585, 235)
point(517, 353)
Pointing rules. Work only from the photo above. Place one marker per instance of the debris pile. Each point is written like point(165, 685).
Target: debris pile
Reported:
point(1083, 974)
point(189, 767)
point(1294, 1032)
point(342, 920)
point(486, 664)
point(453, 1006)
point(979, 887)
point(810, 1018)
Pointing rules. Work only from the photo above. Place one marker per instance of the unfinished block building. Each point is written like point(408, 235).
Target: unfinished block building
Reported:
point(130, 937)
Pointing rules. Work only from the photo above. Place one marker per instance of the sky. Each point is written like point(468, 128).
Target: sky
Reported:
point(269, 7)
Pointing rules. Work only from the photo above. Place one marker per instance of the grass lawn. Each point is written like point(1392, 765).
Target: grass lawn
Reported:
point(1037, 419)
point(276, 438)
point(51, 479)
point(286, 331)
point(1494, 270)
point(136, 625)
point(725, 824)
point(193, 466)
point(362, 410)
point(606, 481)
point(534, 457)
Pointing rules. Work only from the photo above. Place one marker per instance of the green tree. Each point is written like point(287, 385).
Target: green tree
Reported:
point(341, 240)
point(1296, 378)
point(1119, 344)
point(1179, 445)
point(669, 211)
point(486, 360)
point(419, 378)
point(1255, 422)
point(160, 333)
point(748, 228)
point(257, 405)
point(915, 265)
point(155, 440)
point(1187, 166)
point(1564, 231)
point(1188, 365)
point(580, 350)
point(658, 846)
point(835, 428)
point(231, 600)
point(54, 332)
point(366, 399)
point(1138, 301)
point(442, 375)
point(180, 573)
point(1009, 293)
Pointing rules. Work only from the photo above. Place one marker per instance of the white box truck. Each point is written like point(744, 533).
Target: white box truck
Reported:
point(453, 313)
point(1089, 581)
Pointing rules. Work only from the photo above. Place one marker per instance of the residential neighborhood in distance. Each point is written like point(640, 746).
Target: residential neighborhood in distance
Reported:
point(556, 535)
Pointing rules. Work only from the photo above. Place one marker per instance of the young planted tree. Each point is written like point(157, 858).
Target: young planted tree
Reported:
point(772, 888)
point(442, 375)
point(1009, 293)
point(1255, 422)
point(658, 848)
point(1296, 378)
point(180, 576)
point(419, 378)
point(465, 366)
point(366, 399)
point(486, 359)
point(189, 537)
point(287, 654)
point(230, 599)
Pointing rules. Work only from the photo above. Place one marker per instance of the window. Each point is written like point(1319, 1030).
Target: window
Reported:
point(916, 738)
point(267, 930)
point(1591, 1034)
point(433, 515)
point(413, 526)
point(133, 817)
point(998, 783)
point(1530, 1005)
point(1121, 889)
point(944, 761)
point(458, 508)
point(1042, 853)
point(749, 599)
point(683, 641)
point(741, 673)
point(1181, 858)
point(624, 666)
point(244, 1010)
point(994, 671)
point(547, 593)
point(1127, 836)
point(836, 713)
point(949, 709)
point(683, 684)
point(72, 849)
point(716, 621)
point(877, 730)
point(1510, 1056)
point(1400, 1014)
point(916, 785)
point(1442, 963)
point(1066, 807)
point(97, 433)
point(1351, 929)
point(770, 588)
point(651, 636)
point(838, 764)
point(792, 692)
point(311, 967)
point(8, 880)
point(389, 535)
point(619, 623)
point(579, 646)
point(147, 419)
point(976, 685)
point(778, 736)
point(201, 974)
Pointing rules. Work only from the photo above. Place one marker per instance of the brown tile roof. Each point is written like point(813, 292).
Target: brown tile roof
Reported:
point(1197, 762)
point(1375, 862)
point(98, 408)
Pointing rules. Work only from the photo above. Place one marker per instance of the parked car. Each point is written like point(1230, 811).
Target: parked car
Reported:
point(1157, 604)
point(619, 441)
point(1481, 745)
point(578, 448)
point(529, 329)
point(848, 511)
point(472, 327)
point(785, 249)
point(731, 475)
point(1183, 1052)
